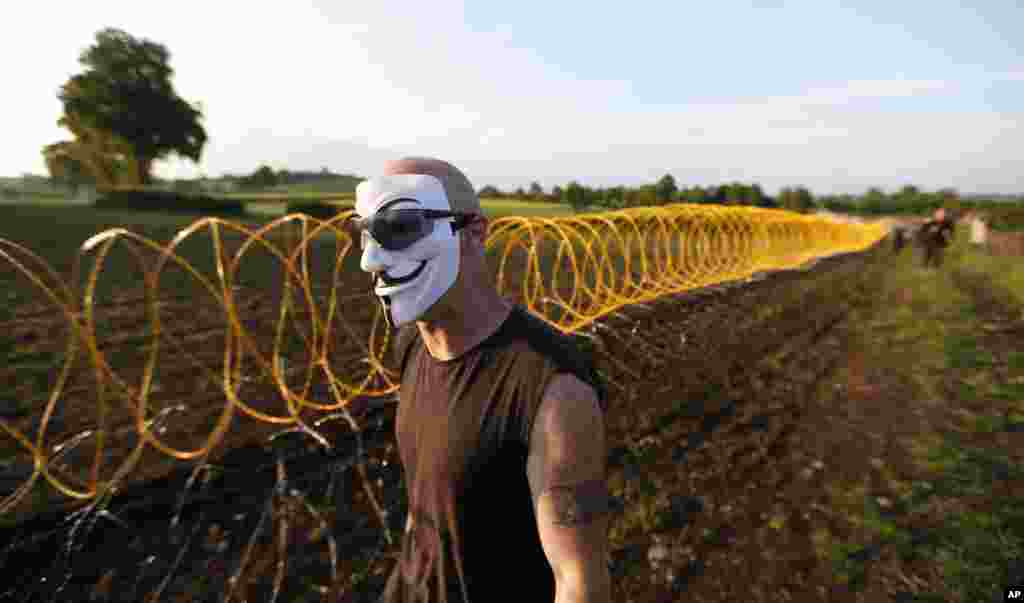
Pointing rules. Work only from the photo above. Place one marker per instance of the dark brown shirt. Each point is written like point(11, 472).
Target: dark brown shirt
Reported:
point(937, 233)
point(463, 430)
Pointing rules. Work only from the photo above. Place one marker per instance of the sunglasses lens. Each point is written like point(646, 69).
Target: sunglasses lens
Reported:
point(398, 229)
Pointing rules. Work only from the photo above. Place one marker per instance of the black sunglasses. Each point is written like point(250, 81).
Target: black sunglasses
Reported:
point(397, 229)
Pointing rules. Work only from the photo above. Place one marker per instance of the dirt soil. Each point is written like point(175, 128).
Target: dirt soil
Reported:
point(746, 438)
point(852, 428)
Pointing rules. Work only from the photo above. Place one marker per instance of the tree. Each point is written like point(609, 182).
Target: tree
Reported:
point(756, 196)
point(797, 199)
point(715, 194)
point(804, 199)
point(536, 190)
point(647, 195)
point(263, 177)
point(873, 201)
point(908, 192)
point(614, 197)
point(575, 196)
point(65, 169)
point(735, 193)
point(106, 157)
point(695, 195)
point(556, 194)
point(489, 191)
point(126, 95)
point(666, 189)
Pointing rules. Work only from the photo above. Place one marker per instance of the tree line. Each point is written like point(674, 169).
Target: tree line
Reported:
point(265, 177)
point(662, 192)
point(908, 199)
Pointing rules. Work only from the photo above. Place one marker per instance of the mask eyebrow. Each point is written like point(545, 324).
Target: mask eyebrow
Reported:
point(394, 202)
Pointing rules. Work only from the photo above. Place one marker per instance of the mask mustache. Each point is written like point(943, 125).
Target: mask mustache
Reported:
point(382, 276)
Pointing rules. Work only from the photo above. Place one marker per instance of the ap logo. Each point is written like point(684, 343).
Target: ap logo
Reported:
point(1015, 595)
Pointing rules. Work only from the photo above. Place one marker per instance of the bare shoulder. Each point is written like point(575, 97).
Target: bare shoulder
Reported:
point(567, 457)
point(567, 440)
point(568, 403)
point(567, 386)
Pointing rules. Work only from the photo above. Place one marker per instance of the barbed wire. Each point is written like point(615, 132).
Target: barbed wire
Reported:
point(570, 271)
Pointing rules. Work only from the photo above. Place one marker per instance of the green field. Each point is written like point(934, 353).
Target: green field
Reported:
point(289, 196)
point(263, 207)
point(495, 208)
point(498, 208)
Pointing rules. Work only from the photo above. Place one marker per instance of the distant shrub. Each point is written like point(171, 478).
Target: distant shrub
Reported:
point(316, 209)
point(168, 201)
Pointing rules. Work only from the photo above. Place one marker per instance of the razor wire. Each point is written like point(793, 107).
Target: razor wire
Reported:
point(570, 271)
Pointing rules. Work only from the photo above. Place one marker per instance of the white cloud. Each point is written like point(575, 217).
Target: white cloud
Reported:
point(823, 139)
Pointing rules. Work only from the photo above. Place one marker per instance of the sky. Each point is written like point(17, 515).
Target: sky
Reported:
point(835, 96)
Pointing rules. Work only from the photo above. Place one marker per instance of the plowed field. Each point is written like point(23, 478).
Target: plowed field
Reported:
point(763, 446)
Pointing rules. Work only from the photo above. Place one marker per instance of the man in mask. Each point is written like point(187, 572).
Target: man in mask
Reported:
point(500, 421)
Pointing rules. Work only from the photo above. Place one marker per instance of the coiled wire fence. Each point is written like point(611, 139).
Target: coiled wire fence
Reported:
point(250, 364)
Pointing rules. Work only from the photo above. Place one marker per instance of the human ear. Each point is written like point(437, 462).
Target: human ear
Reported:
point(478, 230)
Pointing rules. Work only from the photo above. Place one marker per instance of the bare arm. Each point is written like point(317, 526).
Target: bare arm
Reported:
point(566, 471)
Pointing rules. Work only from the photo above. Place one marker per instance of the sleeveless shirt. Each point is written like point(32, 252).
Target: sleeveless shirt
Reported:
point(463, 429)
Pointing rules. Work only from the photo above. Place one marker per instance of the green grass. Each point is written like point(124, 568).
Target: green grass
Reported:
point(1006, 272)
point(288, 196)
point(31, 196)
point(499, 208)
point(974, 545)
point(271, 204)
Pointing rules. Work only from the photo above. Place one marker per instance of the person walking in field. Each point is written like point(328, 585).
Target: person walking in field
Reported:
point(500, 421)
point(979, 230)
point(935, 236)
point(899, 238)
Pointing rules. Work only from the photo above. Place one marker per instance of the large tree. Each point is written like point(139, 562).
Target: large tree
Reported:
point(125, 96)
point(666, 189)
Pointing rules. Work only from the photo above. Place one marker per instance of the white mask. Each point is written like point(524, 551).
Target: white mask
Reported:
point(431, 264)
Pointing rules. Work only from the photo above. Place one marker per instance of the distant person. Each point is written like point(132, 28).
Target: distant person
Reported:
point(500, 420)
point(935, 236)
point(899, 238)
point(979, 231)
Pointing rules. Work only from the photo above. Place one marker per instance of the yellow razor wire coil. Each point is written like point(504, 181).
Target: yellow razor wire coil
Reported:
point(570, 271)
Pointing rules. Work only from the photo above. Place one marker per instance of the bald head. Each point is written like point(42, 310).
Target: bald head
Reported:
point(457, 187)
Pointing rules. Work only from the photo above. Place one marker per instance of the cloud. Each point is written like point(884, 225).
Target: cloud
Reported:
point(826, 137)
point(361, 83)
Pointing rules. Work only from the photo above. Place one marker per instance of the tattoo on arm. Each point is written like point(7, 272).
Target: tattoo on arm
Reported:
point(579, 504)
